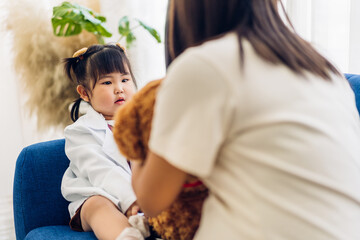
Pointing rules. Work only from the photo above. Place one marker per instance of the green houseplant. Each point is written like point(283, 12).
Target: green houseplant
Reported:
point(70, 19)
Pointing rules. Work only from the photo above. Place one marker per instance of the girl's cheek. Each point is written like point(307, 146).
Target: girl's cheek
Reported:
point(131, 90)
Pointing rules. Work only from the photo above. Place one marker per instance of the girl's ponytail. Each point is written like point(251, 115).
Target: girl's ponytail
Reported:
point(74, 113)
point(70, 68)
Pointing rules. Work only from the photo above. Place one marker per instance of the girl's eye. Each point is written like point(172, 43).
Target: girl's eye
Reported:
point(106, 83)
point(125, 80)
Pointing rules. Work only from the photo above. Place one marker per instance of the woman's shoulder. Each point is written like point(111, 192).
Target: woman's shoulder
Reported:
point(215, 47)
point(216, 52)
point(217, 57)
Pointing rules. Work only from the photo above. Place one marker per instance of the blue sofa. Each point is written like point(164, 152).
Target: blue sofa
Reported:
point(40, 211)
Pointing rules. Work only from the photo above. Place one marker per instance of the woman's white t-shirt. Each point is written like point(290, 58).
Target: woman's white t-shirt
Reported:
point(280, 152)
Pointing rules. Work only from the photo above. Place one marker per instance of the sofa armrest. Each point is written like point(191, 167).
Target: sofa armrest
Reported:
point(37, 198)
point(354, 81)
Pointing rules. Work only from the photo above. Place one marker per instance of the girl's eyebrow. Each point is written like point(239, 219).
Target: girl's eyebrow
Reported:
point(103, 76)
point(108, 75)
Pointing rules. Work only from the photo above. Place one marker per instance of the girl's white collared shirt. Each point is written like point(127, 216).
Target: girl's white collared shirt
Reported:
point(96, 165)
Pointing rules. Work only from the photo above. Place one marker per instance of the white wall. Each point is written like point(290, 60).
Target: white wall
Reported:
point(147, 56)
point(332, 26)
point(17, 130)
point(11, 138)
point(354, 58)
point(17, 127)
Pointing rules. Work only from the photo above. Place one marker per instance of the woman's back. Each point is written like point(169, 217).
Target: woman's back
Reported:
point(288, 164)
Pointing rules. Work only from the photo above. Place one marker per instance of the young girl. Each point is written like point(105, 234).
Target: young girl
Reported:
point(97, 183)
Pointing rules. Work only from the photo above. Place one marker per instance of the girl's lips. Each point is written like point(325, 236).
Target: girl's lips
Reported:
point(120, 101)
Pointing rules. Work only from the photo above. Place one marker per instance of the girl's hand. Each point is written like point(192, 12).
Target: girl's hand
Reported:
point(132, 210)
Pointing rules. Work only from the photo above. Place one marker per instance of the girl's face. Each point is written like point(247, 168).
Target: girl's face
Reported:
point(110, 92)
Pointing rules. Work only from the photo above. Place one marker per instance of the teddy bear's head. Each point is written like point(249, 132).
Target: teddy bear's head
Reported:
point(133, 122)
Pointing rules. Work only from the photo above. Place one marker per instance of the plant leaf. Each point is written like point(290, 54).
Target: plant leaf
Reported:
point(151, 30)
point(96, 29)
point(69, 19)
point(130, 38)
point(124, 26)
point(125, 31)
point(65, 27)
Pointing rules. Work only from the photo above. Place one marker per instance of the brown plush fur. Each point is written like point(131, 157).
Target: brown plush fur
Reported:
point(37, 60)
point(132, 132)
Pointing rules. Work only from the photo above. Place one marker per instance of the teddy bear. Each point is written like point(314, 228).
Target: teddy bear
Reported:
point(131, 132)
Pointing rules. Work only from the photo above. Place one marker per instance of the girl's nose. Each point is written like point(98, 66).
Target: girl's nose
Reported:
point(119, 89)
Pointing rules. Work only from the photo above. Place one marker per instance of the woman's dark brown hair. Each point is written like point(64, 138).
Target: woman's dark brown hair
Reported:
point(191, 22)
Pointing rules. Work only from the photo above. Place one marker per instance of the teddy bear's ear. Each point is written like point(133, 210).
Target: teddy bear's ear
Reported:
point(126, 131)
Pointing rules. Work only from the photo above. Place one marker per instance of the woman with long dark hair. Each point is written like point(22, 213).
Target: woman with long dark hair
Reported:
point(266, 122)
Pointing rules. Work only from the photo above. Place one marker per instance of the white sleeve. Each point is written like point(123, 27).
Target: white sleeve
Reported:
point(88, 161)
point(191, 115)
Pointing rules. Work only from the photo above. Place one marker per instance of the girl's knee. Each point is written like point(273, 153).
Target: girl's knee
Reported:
point(97, 211)
point(97, 202)
point(93, 206)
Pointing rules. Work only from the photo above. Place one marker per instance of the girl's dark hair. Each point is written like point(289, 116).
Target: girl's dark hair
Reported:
point(86, 69)
point(190, 23)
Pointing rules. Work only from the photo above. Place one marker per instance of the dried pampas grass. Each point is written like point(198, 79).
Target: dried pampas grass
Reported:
point(38, 58)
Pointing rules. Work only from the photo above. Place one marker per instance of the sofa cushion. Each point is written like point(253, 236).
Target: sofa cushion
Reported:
point(58, 233)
